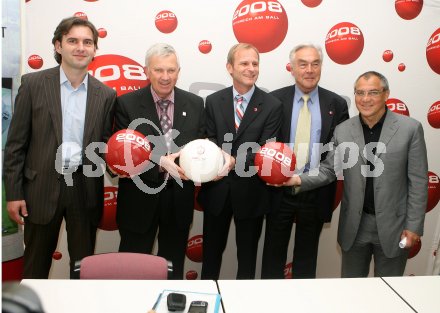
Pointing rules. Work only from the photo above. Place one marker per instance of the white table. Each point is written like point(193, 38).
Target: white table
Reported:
point(421, 292)
point(311, 295)
point(109, 296)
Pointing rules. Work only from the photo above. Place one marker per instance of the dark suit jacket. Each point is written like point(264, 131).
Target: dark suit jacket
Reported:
point(135, 207)
point(261, 121)
point(36, 133)
point(334, 110)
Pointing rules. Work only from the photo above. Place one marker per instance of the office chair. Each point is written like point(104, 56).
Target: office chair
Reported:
point(123, 265)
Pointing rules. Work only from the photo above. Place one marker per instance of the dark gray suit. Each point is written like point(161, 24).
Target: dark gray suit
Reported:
point(29, 164)
point(400, 191)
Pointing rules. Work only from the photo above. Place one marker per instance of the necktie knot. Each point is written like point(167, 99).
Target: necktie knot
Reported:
point(305, 99)
point(163, 104)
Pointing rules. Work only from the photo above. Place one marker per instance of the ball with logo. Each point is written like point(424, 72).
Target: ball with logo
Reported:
point(433, 191)
point(311, 3)
point(408, 9)
point(194, 248)
point(205, 46)
point(261, 23)
point(387, 55)
point(102, 32)
point(275, 162)
point(166, 21)
point(434, 115)
point(433, 51)
point(108, 219)
point(397, 106)
point(128, 152)
point(201, 160)
point(81, 15)
point(344, 43)
point(35, 61)
point(118, 72)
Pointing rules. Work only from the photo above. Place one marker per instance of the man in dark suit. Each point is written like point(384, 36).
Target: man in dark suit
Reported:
point(161, 197)
point(386, 185)
point(48, 174)
point(311, 209)
point(237, 192)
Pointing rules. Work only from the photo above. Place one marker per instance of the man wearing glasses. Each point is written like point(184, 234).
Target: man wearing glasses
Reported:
point(382, 156)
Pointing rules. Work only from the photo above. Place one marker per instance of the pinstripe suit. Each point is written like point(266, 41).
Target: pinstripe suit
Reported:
point(29, 167)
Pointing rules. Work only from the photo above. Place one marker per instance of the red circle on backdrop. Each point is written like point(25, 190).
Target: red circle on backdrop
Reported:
point(338, 195)
point(387, 55)
point(108, 219)
point(166, 21)
point(128, 152)
point(401, 67)
point(275, 162)
point(261, 23)
point(288, 67)
point(57, 255)
point(288, 271)
point(408, 9)
point(397, 106)
point(197, 205)
point(194, 248)
point(415, 249)
point(311, 3)
point(35, 61)
point(119, 72)
point(433, 51)
point(102, 32)
point(191, 275)
point(433, 191)
point(434, 115)
point(205, 46)
point(344, 43)
point(81, 15)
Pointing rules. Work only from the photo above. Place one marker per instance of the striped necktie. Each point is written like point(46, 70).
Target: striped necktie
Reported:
point(165, 121)
point(239, 112)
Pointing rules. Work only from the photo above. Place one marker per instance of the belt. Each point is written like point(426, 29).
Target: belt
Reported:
point(65, 170)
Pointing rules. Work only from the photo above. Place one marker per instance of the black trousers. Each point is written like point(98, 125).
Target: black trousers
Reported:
point(41, 240)
point(301, 210)
point(215, 237)
point(172, 239)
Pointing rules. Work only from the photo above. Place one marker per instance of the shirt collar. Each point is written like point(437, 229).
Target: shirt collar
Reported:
point(156, 98)
point(299, 94)
point(247, 96)
point(64, 79)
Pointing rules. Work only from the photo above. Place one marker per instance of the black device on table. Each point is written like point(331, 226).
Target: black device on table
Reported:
point(198, 307)
point(176, 302)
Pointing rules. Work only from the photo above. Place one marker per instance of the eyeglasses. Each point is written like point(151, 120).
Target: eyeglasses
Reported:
point(370, 93)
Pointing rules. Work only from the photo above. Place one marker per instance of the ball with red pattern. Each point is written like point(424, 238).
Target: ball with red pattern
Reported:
point(102, 32)
point(35, 61)
point(275, 162)
point(108, 219)
point(433, 191)
point(194, 248)
point(81, 15)
point(387, 55)
point(433, 51)
point(397, 106)
point(434, 115)
point(415, 249)
point(408, 9)
point(311, 3)
point(205, 46)
point(166, 21)
point(288, 67)
point(119, 72)
point(57, 255)
point(401, 67)
point(261, 23)
point(191, 275)
point(344, 43)
point(128, 152)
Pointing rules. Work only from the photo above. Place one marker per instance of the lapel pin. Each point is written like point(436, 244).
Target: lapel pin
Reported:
point(330, 112)
point(255, 109)
point(184, 113)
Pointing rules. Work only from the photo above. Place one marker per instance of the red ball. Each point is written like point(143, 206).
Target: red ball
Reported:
point(102, 32)
point(35, 61)
point(434, 115)
point(415, 249)
point(275, 162)
point(401, 67)
point(344, 43)
point(397, 106)
point(433, 51)
point(128, 152)
point(191, 275)
point(205, 46)
point(108, 219)
point(387, 55)
point(288, 67)
point(57, 255)
point(81, 15)
point(408, 9)
point(311, 3)
point(194, 248)
point(166, 21)
point(433, 191)
point(261, 23)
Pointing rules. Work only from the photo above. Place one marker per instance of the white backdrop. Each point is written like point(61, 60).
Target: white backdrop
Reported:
point(129, 27)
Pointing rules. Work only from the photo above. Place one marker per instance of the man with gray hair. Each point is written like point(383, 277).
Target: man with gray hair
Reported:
point(174, 117)
point(310, 114)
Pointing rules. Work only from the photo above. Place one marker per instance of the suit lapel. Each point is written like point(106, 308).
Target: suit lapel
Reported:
point(286, 126)
point(327, 109)
point(92, 109)
point(179, 117)
point(389, 128)
point(358, 136)
point(226, 106)
point(53, 96)
point(252, 111)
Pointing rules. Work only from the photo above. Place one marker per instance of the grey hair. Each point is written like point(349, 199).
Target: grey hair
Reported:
point(162, 50)
point(293, 52)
